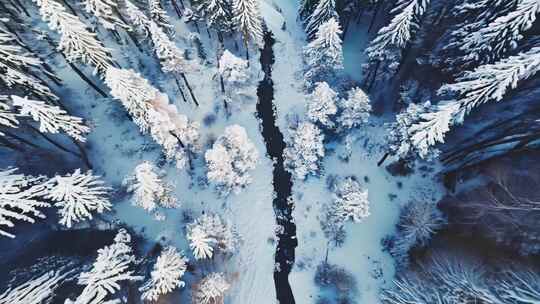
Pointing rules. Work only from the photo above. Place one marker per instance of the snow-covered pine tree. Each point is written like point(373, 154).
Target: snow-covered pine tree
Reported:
point(247, 18)
point(321, 106)
point(52, 119)
point(160, 17)
point(16, 65)
point(351, 202)
point(165, 277)
point(113, 265)
point(486, 83)
point(151, 111)
point(324, 55)
point(399, 137)
point(149, 189)
point(354, 110)
point(138, 20)
point(305, 150)
point(230, 160)
point(234, 70)
point(391, 39)
point(325, 10)
point(76, 41)
point(21, 198)
point(77, 196)
point(171, 57)
point(211, 289)
point(501, 35)
point(306, 8)
point(105, 12)
point(200, 242)
point(218, 14)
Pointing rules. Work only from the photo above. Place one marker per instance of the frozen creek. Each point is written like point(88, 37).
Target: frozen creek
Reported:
point(273, 138)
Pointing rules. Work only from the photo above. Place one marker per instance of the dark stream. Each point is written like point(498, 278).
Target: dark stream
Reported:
point(275, 145)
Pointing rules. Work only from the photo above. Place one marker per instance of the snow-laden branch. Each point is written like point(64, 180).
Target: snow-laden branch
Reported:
point(151, 111)
point(76, 41)
point(486, 83)
point(112, 266)
point(105, 12)
point(400, 29)
point(501, 35)
point(13, 59)
point(21, 198)
point(165, 276)
point(78, 195)
point(52, 119)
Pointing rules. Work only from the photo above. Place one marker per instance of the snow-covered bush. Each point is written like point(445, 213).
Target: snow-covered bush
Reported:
point(321, 106)
point(351, 202)
point(76, 42)
point(354, 110)
point(230, 160)
point(210, 233)
point(234, 70)
point(418, 222)
point(149, 189)
point(113, 265)
point(211, 289)
point(305, 150)
point(52, 119)
point(77, 196)
point(21, 198)
point(165, 277)
point(324, 55)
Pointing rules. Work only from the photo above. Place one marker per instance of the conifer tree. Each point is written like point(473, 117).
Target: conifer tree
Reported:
point(247, 18)
point(76, 42)
point(325, 10)
point(105, 12)
point(324, 55)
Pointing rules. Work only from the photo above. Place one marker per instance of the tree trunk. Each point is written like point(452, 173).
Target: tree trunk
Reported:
point(381, 161)
point(176, 8)
point(54, 143)
point(189, 89)
point(180, 89)
point(86, 79)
